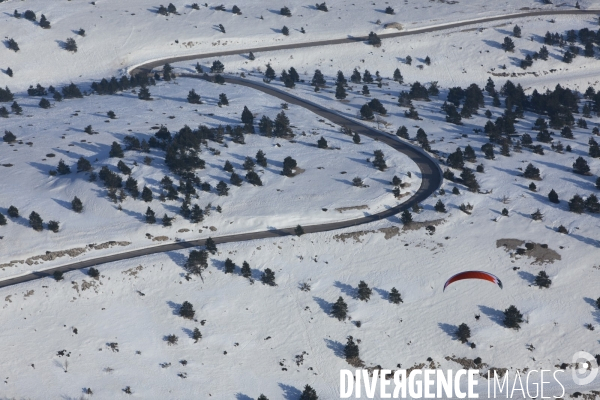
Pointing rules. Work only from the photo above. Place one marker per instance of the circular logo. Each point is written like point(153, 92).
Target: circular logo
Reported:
point(584, 372)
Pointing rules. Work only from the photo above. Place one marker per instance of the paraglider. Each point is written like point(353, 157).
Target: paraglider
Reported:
point(474, 275)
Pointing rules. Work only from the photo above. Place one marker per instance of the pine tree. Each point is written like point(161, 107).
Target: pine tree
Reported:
point(144, 93)
point(395, 297)
point(2, 220)
point(150, 216)
point(553, 197)
point(235, 180)
point(253, 178)
point(228, 166)
point(261, 159)
point(16, 108)
point(44, 103)
point(580, 166)
point(356, 138)
point(285, 12)
point(322, 143)
point(71, 45)
point(531, 172)
point(63, 169)
point(517, 31)
point(223, 99)
point(53, 226)
point(193, 97)
point(576, 204)
point(440, 207)
point(268, 277)
point(246, 271)
point(147, 194)
point(318, 79)
point(197, 262)
point(308, 394)
point(77, 205)
point(364, 291)
point(285, 30)
point(513, 318)
point(222, 189)
point(187, 310)
point(248, 164)
point(406, 217)
point(339, 309)
point(196, 335)
point(299, 231)
point(57, 275)
point(132, 187)
point(210, 245)
point(13, 212)
point(469, 179)
point(463, 333)
point(229, 266)
point(508, 44)
point(379, 161)
point(166, 220)
point(398, 76)
point(35, 221)
point(116, 150)
point(340, 91)
point(351, 349)
point(537, 215)
point(542, 280)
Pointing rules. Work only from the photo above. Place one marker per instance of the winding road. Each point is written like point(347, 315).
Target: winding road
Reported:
point(431, 173)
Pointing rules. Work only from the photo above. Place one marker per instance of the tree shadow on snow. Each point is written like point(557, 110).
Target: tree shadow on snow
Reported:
point(175, 307)
point(324, 304)
point(290, 392)
point(592, 302)
point(449, 329)
point(345, 288)
point(383, 293)
point(65, 204)
point(337, 347)
point(241, 396)
point(495, 315)
point(527, 276)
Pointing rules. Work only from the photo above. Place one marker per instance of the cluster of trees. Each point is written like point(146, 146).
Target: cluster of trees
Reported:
point(170, 9)
point(114, 85)
point(578, 205)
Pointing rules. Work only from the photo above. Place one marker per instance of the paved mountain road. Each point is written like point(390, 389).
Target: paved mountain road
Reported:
point(430, 171)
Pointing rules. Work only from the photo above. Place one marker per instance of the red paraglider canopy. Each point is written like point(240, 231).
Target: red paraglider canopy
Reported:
point(486, 276)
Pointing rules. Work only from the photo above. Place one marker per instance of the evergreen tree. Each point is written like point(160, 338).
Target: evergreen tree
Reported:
point(13, 212)
point(398, 76)
point(248, 164)
point(147, 194)
point(531, 172)
point(245, 270)
point(132, 187)
point(513, 318)
point(322, 143)
point(235, 180)
point(440, 207)
point(223, 99)
point(77, 205)
point(193, 97)
point(15, 107)
point(2, 220)
point(285, 12)
point(3, 112)
point(187, 310)
point(222, 189)
point(395, 297)
point(351, 349)
point(261, 159)
point(44, 103)
point(355, 77)
point(339, 309)
point(229, 266)
point(576, 204)
point(9, 137)
point(508, 44)
point(542, 280)
point(116, 150)
point(463, 333)
point(402, 132)
point(144, 93)
point(469, 179)
point(406, 217)
point(35, 221)
point(270, 73)
point(71, 45)
point(197, 262)
point(57, 275)
point(44, 23)
point(210, 245)
point(340, 91)
point(455, 160)
point(251, 56)
point(517, 31)
point(364, 291)
point(150, 216)
point(288, 166)
point(299, 231)
point(63, 169)
point(228, 167)
point(282, 125)
point(379, 161)
point(356, 138)
point(308, 394)
point(253, 178)
point(247, 117)
point(318, 79)
point(341, 79)
point(285, 30)
point(167, 221)
point(580, 166)
point(268, 277)
point(196, 214)
point(262, 397)
point(196, 335)
point(553, 197)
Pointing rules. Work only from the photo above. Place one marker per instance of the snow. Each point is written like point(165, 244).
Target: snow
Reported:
point(137, 307)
